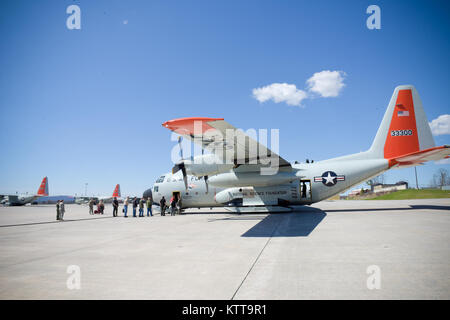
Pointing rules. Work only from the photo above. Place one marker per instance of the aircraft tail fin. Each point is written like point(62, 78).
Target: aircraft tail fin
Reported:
point(116, 192)
point(404, 129)
point(43, 188)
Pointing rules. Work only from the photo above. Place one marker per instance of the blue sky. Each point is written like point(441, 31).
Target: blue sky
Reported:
point(86, 106)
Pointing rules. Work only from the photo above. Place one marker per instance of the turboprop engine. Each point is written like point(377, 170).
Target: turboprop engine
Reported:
point(201, 166)
point(229, 194)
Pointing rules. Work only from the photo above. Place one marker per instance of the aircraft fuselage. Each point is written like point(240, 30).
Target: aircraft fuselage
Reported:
point(311, 182)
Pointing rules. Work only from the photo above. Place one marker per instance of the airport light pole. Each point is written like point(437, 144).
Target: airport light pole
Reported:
point(417, 183)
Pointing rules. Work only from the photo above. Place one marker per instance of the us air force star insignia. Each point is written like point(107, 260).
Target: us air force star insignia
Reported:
point(329, 178)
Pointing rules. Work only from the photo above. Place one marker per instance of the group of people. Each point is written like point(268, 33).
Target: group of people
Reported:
point(174, 205)
point(100, 207)
point(136, 203)
point(60, 210)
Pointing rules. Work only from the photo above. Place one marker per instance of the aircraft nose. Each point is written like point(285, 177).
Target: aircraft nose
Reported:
point(147, 193)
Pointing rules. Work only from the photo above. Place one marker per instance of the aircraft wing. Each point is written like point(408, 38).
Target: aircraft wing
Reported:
point(415, 158)
point(213, 134)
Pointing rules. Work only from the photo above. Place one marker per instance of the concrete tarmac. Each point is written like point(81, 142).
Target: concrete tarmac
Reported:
point(323, 251)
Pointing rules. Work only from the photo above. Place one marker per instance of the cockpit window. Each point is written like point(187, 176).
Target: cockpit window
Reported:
point(155, 189)
point(160, 179)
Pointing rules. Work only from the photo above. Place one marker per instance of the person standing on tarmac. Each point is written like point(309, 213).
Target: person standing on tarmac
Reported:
point(62, 210)
point(101, 207)
point(135, 204)
point(162, 204)
point(115, 206)
point(173, 205)
point(125, 207)
point(141, 207)
point(91, 206)
point(57, 210)
point(149, 206)
point(179, 205)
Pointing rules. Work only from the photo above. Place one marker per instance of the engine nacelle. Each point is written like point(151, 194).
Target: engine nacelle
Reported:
point(229, 194)
point(206, 165)
point(243, 179)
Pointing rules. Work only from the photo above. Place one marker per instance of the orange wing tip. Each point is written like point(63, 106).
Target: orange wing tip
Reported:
point(189, 120)
point(187, 126)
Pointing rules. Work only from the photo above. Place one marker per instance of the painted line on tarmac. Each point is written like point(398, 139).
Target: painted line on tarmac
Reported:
point(49, 222)
point(257, 258)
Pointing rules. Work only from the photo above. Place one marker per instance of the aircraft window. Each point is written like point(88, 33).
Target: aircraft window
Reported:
point(155, 189)
point(160, 179)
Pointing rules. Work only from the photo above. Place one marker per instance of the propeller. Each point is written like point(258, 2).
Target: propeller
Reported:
point(180, 165)
point(180, 138)
point(206, 183)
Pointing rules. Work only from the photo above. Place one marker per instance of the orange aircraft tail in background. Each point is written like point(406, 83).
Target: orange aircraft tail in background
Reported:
point(116, 192)
point(43, 188)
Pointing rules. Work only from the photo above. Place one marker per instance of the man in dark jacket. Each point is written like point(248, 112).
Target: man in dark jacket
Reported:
point(135, 204)
point(162, 204)
point(115, 207)
point(57, 210)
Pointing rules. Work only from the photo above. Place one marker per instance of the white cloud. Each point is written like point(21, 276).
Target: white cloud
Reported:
point(440, 125)
point(280, 92)
point(326, 83)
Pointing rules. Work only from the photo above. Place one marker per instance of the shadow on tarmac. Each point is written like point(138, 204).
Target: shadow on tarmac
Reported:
point(304, 220)
point(299, 223)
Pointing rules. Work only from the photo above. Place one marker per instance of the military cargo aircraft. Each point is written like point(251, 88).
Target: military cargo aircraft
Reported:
point(116, 194)
point(242, 182)
point(20, 200)
point(106, 199)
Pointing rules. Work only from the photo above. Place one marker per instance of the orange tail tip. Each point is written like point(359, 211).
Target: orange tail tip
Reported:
point(43, 188)
point(116, 192)
point(404, 129)
point(402, 136)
